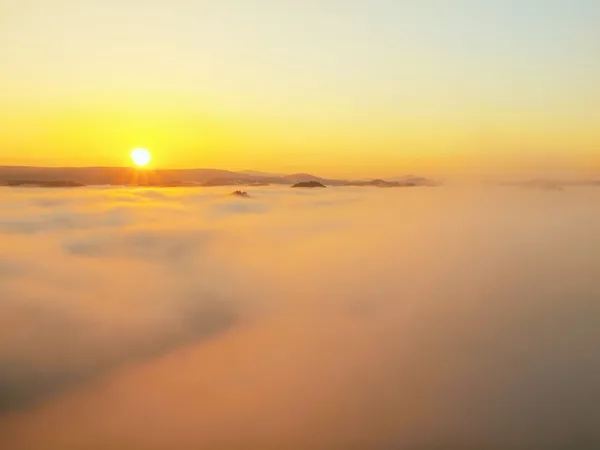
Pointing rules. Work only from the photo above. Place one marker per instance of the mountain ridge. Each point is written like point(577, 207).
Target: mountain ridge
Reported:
point(98, 175)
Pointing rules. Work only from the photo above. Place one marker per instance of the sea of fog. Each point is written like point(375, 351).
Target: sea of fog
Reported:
point(340, 318)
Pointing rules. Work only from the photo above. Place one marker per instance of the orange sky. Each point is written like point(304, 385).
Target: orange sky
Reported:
point(337, 90)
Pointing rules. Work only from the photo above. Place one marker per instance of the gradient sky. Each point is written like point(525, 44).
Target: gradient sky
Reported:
point(372, 87)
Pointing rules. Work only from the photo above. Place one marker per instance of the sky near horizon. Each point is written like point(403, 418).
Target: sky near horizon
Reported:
point(336, 87)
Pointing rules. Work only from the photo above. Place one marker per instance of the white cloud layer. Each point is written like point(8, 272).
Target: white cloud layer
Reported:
point(348, 318)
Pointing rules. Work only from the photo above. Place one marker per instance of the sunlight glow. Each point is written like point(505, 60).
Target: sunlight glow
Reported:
point(141, 157)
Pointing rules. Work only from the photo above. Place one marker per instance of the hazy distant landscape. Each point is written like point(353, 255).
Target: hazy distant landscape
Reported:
point(147, 318)
point(127, 176)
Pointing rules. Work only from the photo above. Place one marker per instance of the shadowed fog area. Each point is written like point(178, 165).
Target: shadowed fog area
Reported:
point(342, 318)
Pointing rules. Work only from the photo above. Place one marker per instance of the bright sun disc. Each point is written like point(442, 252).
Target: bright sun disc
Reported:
point(140, 156)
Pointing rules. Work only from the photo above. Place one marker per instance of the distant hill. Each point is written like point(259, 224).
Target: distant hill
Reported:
point(309, 184)
point(385, 184)
point(257, 173)
point(128, 176)
point(414, 180)
point(114, 175)
point(546, 184)
point(34, 183)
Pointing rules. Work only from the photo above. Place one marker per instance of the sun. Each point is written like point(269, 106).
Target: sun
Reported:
point(140, 156)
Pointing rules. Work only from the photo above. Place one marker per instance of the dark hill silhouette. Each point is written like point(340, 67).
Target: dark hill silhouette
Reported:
point(309, 184)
